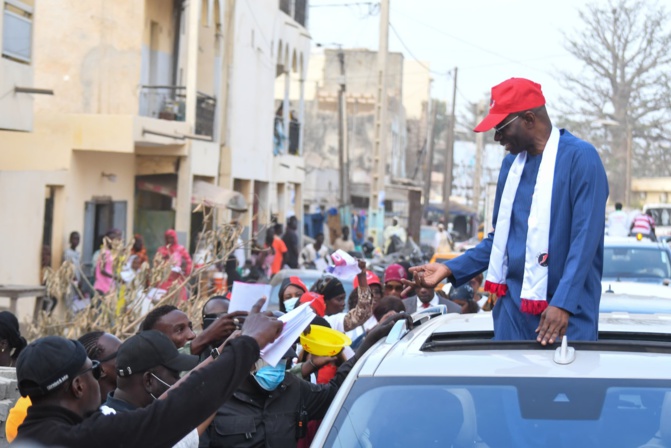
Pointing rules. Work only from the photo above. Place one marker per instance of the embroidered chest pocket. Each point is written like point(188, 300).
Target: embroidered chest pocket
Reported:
point(229, 431)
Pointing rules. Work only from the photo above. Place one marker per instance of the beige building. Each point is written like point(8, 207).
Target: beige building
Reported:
point(651, 190)
point(157, 106)
point(408, 85)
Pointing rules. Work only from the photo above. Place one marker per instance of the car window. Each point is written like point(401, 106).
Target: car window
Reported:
point(662, 216)
point(634, 262)
point(508, 412)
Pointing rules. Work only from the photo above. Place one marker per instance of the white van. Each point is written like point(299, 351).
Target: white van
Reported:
point(661, 213)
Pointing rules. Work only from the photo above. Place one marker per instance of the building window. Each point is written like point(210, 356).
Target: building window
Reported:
point(17, 30)
point(663, 197)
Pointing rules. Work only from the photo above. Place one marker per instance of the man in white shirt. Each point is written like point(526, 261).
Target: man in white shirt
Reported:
point(314, 255)
point(618, 222)
point(72, 255)
point(442, 242)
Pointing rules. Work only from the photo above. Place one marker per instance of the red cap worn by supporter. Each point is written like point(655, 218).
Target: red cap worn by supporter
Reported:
point(395, 272)
point(512, 95)
point(318, 304)
point(371, 278)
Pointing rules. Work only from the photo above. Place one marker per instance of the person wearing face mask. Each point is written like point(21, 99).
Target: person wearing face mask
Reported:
point(291, 290)
point(272, 407)
point(147, 365)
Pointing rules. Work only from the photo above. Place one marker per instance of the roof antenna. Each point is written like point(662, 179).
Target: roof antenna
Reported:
point(564, 354)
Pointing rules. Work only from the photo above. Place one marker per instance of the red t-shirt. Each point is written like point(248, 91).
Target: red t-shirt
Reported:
point(280, 248)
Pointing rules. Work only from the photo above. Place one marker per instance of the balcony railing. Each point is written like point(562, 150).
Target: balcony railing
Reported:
point(163, 102)
point(169, 103)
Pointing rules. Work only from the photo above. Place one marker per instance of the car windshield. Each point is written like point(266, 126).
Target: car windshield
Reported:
point(503, 412)
point(636, 262)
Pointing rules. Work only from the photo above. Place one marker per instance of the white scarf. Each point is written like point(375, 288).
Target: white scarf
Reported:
point(535, 283)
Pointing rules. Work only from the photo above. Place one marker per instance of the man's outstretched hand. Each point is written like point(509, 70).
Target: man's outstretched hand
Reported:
point(553, 325)
point(262, 326)
point(426, 276)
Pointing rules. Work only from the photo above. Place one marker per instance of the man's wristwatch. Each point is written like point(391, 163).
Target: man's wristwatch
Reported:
point(215, 353)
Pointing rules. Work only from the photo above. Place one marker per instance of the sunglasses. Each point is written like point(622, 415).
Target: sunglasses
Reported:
point(397, 288)
point(214, 315)
point(497, 130)
point(95, 369)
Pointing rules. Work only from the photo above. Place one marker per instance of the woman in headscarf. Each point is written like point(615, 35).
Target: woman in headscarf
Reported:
point(11, 341)
point(179, 260)
point(291, 290)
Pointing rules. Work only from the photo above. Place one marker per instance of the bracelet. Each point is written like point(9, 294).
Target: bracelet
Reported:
point(313, 364)
point(214, 353)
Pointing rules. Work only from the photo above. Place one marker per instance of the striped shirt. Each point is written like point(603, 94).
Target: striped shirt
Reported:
point(643, 224)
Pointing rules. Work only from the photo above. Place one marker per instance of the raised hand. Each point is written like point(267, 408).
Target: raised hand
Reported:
point(426, 276)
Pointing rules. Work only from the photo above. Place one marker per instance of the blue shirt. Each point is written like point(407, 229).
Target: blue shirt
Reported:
point(575, 253)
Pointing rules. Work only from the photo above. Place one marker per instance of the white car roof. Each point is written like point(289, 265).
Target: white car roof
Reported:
point(639, 289)
point(465, 348)
point(622, 241)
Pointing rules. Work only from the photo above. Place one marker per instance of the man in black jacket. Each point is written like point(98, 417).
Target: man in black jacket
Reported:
point(265, 414)
point(61, 382)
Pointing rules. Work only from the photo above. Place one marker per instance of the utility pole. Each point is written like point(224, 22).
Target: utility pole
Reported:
point(433, 112)
point(449, 155)
point(342, 134)
point(627, 180)
point(377, 195)
point(479, 146)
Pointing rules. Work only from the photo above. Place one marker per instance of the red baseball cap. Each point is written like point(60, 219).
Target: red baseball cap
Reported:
point(371, 278)
point(395, 272)
point(512, 95)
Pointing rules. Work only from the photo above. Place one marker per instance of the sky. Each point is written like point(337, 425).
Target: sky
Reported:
point(488, 40)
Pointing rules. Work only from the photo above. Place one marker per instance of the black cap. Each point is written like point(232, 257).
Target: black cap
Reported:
point(150, 349)
point(464, 292)
point(47, 363)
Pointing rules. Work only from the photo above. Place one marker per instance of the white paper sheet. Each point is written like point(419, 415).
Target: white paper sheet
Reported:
point(245, 295)
point(295, 322)
point(345, 266)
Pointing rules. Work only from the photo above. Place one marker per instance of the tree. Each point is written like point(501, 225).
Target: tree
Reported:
point(624, 45)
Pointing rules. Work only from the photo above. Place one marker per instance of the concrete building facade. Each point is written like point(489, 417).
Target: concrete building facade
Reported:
point(158, 106)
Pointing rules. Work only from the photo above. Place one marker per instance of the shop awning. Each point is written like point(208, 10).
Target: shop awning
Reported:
point(214, 196)
point(203, 193)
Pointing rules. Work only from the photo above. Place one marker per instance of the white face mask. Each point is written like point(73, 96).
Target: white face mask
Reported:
point(290, 304)
point(168, 386)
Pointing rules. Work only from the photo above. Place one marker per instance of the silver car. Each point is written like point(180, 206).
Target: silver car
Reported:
point(447, 384)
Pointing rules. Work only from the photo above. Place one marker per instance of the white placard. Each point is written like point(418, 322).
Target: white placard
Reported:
point(245, 295)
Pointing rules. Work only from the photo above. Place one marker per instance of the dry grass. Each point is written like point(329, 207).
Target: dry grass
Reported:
point(219, 242)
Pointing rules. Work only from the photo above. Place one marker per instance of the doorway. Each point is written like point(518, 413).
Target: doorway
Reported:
point(99, 217)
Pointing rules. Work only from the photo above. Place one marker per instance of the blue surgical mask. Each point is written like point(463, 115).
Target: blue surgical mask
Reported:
point(269, 377)
point(290, 304)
